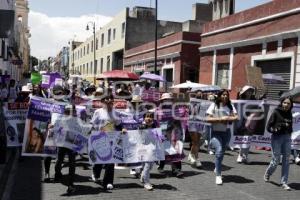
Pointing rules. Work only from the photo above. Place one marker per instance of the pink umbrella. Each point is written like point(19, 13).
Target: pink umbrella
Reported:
point(118, 74)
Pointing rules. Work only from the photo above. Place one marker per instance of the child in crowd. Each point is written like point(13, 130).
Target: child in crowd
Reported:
point(148, 123)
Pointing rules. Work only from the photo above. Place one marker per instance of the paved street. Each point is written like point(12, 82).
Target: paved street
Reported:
point(240, 182)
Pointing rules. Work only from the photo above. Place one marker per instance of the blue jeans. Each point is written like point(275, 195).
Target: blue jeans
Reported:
point(219, 141)
point(281, 145)
point(147, 166)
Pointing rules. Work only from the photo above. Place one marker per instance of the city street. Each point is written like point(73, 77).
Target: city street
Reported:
point(240, 182)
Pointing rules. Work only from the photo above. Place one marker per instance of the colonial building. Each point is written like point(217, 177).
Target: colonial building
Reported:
point(266, 36)
point(129, 29)
point(177, 60)
point(177, 53)
point(14, 34)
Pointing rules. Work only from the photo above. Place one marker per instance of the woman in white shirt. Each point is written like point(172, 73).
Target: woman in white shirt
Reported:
point(221, 114)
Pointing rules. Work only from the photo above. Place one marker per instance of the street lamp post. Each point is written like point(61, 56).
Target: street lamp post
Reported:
point(94, 32)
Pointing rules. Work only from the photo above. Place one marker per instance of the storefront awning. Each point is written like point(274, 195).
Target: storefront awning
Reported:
point(7, 18)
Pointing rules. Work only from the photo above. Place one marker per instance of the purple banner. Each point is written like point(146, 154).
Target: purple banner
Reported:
point(41, 110)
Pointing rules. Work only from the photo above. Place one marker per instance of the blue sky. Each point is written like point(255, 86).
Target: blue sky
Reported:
point(174, 10)
point(53, 23)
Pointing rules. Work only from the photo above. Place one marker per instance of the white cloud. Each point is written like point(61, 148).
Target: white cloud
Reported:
point(50, 34)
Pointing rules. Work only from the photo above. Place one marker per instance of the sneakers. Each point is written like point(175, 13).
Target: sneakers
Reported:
point(94, 178)
point(57, 177)
point(266, 178)
point(177, 173)
point(109, 186)
point(211, 152)
point(192, 159)
point(198, 163)
point(239, 159)
point(47, 177)
point(297, 160)
point(242, 159)
point(148, 186)
point(286, 187)
point(132, 172)
point(71, 189)
point(160, 170)
point(219, 180)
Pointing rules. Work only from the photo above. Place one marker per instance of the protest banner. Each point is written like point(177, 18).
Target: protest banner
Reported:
point(251, 123)
point(133, 147)
point(36, 127)
point(69, 132)
point(14, 118)
point(250, 129)
point(50, 79)
point(151, 95)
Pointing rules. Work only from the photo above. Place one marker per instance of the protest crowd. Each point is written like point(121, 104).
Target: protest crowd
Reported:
point(131, 125)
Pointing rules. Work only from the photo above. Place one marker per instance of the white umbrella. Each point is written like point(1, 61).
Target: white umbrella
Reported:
point(188, 84)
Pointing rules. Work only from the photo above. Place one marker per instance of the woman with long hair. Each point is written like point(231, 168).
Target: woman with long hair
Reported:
point(280, 124)
point(220, 115)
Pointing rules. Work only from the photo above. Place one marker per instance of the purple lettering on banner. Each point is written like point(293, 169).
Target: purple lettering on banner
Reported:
point(41, 111)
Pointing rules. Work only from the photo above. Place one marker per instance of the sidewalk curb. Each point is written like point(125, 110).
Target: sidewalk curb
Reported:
point(6, 178)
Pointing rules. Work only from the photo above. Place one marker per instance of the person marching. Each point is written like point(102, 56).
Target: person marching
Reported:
point(148, 123)
point(62, 151)
point(220, 114)
point(105, 119)
point(247, 93)
point(135, 113)
point(194, 131)
point(280, 124)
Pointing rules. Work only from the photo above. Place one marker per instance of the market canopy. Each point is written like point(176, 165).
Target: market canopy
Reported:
point(153, 77)
point(188, 84)
point(118, 74)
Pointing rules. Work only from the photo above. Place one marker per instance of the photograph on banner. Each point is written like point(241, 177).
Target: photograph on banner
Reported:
point(69, 131)
point(34, 138)
point(252, 121)
point(265, 140)
point(296, 127)
point(145, 145)
point(133, 147)
point(36, 127)
point(14, 118)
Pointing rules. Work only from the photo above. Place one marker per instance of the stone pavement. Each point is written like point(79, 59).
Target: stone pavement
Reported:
point(240, 182)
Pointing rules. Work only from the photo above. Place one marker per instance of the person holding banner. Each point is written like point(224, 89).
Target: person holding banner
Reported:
point(247, 93)
point(221, 114)
point(62, 151)
point(148, 123)
point(105, 120)
point(280, 124)
point(132, 121)
point(194, 129)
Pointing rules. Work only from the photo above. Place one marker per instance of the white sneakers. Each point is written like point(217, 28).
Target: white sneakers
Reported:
point(242, 159)
point(148, 186)
point(239, 159)
point(297, 160)
point(94, 178)
point(109, 186)
point(194, 161)
point(219, 180)
point(286, 187)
